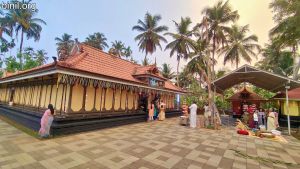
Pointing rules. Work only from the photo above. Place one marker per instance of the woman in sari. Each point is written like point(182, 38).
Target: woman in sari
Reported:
point(162, 114)
point(271, 120)
point(151, 111)
point(46, 122)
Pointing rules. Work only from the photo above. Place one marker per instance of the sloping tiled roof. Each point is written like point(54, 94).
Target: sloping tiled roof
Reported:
point(250, 95)
point(95, 61)
point(292, 94)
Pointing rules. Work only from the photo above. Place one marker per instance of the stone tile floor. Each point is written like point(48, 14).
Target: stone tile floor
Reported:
point(155, 145)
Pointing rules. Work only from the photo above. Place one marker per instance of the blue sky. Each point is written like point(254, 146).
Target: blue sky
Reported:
point(115, 19)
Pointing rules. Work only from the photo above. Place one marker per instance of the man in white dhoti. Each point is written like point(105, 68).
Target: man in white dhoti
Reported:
point(193, 115)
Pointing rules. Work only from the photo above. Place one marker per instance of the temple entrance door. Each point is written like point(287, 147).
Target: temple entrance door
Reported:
point(143, 102)
point(12, 93)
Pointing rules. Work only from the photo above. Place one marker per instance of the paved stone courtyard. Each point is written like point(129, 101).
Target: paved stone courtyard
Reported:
point(155, 145)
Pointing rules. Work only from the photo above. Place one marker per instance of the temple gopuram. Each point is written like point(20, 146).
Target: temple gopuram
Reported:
point(89, 89)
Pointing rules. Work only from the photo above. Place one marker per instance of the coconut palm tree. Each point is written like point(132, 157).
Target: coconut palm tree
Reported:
point(146, 62)
point(239, 45)
point(26, 24)
point(41, 57)
point(276, 60)
point(215, 22)
point(127, 52)
point(166, 71)
point(182, 43)
point(64, 46)
point(149, 38)
point(6, 25)
point(97, 40)
point(118, 47)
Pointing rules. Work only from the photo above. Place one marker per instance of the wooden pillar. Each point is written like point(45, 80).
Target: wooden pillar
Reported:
point(40, 97)
point(57, 87)
point(113, 100)
point(101, 95)
point(126, 103)
point(134, 97)
point(62, 99)
point(65, 97)
point(51, 93)
point(84, 98)
point(24, 97)
point(95, 94)
point(104, 109)
point(121, 91)
point(31, 88)
point(70, 99)
point(46, 94)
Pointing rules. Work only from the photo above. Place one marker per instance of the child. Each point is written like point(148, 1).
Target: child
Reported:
point(255, 118)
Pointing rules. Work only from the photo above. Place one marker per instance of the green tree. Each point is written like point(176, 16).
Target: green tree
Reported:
point(239, 45)
point(6, 25)
point(26, 24)
point(97, 40)
point(41, 57)
point(276, 60)
point(166, 71)
point(215, 22)
point(64, 46)
point(149, 38)
point(185, 78)
point(127, 52)
point(287, 33)
point(12, 65)
point(117, 48)
point(182, 43)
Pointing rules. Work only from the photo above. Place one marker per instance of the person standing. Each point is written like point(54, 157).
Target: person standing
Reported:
point(271, 120)
point(46, 122)
point(193, 115)
point(261, 117)
point(255, 118)
point(162, 114)
point(151, 111)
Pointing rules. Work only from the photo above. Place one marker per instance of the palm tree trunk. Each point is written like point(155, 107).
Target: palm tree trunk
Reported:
point(178, 72)
point(237, 64)
point(210, 92)
point(20, 50)
point(213, 56)
point(295, 64)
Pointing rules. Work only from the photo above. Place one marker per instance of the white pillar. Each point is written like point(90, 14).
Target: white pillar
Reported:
point(287, 108)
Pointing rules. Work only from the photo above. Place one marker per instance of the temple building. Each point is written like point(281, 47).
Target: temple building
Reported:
point(89, 89)
point(294, 106)
point(243, 98)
